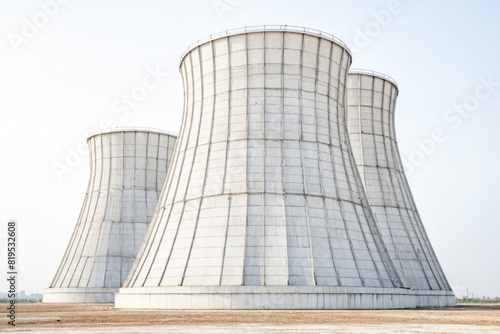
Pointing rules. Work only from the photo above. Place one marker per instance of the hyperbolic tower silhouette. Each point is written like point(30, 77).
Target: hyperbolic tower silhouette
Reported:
point(371, 100)
point(128, 168)
point(263, 206)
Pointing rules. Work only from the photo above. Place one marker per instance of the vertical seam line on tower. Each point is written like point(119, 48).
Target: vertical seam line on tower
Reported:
point(360, 124)
point(320, 170)
point(304, 187)
point(139, 257)
point(264, 142)
point(210, 142)
point(283, 158)
point(121, 204)
point(330, 59)
point(228, 137)
point(341, 206)
point(242, 281)
point(108, 191)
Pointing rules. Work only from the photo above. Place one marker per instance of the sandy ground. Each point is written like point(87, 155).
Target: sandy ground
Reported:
point(104, 318)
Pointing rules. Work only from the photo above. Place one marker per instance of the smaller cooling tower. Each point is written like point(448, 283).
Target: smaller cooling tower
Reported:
point(128, 168)
point(371, 99)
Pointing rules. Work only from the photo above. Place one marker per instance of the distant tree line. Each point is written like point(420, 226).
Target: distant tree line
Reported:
point(21, 300)
point(478, 300)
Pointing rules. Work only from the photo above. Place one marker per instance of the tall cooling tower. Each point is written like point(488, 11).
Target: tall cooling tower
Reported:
point(128, 168)
point(263, 206)
point(371, 99)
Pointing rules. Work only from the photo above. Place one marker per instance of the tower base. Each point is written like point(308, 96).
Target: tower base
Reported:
point(279, 298)
point(79, 295)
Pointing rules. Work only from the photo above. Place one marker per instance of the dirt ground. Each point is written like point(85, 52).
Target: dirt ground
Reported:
point(103, 318)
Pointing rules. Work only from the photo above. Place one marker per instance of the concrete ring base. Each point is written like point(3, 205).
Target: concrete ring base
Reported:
point(280, 298)
point(79, 295)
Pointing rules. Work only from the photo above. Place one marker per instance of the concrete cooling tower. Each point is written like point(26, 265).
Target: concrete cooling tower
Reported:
point(263, 206)
point(128, 168)
point(371, 100)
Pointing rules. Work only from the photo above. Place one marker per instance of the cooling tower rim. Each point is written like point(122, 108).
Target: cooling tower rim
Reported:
point(265, 28)
point(374, 74)
point(130, 129)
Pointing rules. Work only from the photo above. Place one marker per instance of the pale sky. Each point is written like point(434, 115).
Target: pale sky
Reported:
point(66, 65)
